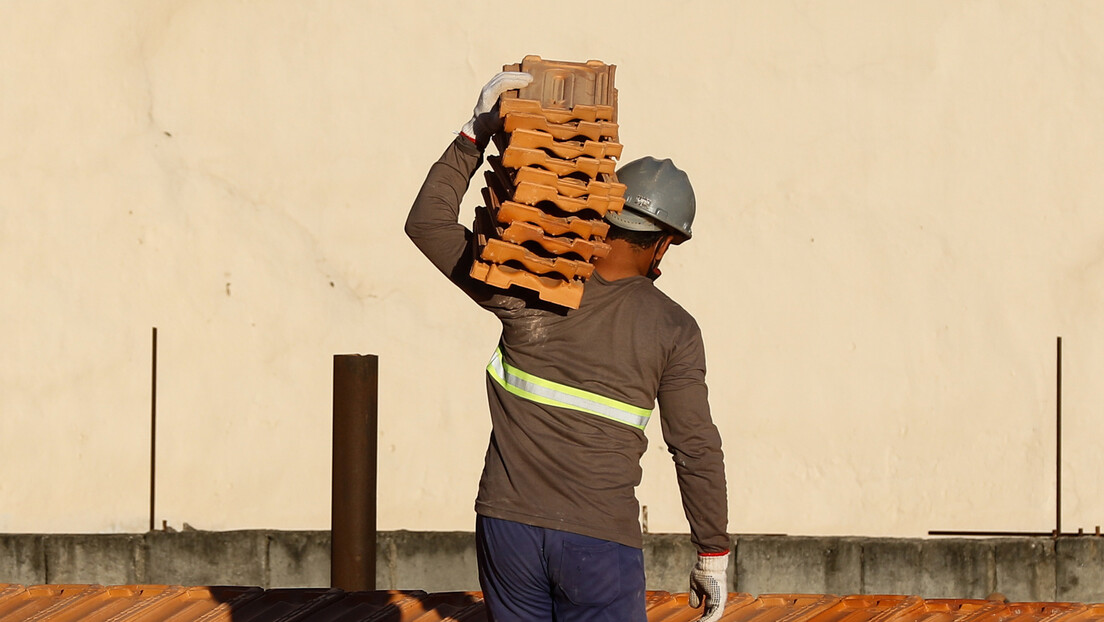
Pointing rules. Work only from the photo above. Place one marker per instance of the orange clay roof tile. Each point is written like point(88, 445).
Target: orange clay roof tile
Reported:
point(553, 225)
point(867, 608)
point(511, 104)
point(565, 84)
point(108, 602)
point(604, 185)
point(556, 291)
point(522, 232)
point(532, 194)
point(593, 130)
point(566, 149)
point(134, 603)
point(502, 252)
point(517, 157)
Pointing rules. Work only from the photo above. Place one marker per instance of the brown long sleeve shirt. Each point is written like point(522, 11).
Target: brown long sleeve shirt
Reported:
point(557, 467)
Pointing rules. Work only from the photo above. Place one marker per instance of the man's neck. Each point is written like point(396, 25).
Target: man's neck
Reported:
point(623, 261)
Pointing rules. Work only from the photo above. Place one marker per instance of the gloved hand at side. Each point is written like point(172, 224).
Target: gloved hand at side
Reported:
point(709, 585)
point(485, 121)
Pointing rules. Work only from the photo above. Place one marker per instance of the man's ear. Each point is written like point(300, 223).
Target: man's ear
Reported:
point(662, 245)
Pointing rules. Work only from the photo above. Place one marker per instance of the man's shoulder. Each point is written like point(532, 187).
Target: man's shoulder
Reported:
point(647, 299)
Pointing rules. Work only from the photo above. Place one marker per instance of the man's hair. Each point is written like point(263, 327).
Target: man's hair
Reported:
point(639, 239)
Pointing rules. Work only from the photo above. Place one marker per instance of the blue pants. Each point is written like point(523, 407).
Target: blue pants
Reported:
point(532, 574)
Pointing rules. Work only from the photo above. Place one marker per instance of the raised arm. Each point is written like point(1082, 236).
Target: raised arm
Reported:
point(432, 222)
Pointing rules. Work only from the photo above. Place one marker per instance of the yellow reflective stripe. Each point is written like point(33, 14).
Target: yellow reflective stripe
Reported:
point(536, 389)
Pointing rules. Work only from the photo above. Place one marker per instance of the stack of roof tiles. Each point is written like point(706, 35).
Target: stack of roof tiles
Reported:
point(552, 183)
point(135, 603)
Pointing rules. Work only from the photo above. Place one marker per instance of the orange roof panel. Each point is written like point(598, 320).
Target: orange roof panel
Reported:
point(130, 603)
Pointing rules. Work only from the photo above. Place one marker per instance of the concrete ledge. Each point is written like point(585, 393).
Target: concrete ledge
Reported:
point(953, 568)
point(956, 569)
point(116, 559)
point(668, 559)
point(1023, 569)
point(441, 561)
point(1080, 575)
point(798, 565)
point(22, 559)
point(207, 558)
point(299, 559)
point(891, 566)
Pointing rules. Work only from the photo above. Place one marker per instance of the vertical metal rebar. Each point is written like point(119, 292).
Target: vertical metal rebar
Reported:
point(353, 502)
point(1058, 447)
point(152, 433)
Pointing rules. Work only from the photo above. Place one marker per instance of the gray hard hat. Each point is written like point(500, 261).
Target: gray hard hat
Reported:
point(656, 191)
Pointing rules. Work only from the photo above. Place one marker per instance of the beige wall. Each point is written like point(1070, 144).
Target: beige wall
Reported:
point(900, 206)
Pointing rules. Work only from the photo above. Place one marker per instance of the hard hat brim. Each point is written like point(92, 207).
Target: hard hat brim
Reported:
point(632, 221)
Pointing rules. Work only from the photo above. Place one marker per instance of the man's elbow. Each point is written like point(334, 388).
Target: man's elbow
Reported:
point(414, 229)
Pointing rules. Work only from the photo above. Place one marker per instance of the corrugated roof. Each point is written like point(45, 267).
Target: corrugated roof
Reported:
point(131, 603)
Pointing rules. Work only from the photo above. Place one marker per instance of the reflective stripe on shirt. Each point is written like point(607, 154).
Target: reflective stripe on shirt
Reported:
point(543, 391)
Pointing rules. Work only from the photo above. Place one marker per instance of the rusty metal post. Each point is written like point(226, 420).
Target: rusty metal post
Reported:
point(153, 431)
point(1058, 448)
point(353, 503)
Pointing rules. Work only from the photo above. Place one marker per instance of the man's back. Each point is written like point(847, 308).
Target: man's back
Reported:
point(553, 465)
point(563, 467)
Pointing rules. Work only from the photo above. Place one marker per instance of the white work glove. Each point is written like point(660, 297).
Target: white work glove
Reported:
point(709, 584)
point(485, 122)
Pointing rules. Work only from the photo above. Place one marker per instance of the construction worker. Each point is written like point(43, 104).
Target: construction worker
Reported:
point(570, 391)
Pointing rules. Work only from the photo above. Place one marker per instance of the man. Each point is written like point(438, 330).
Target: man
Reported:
point(569, 393)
